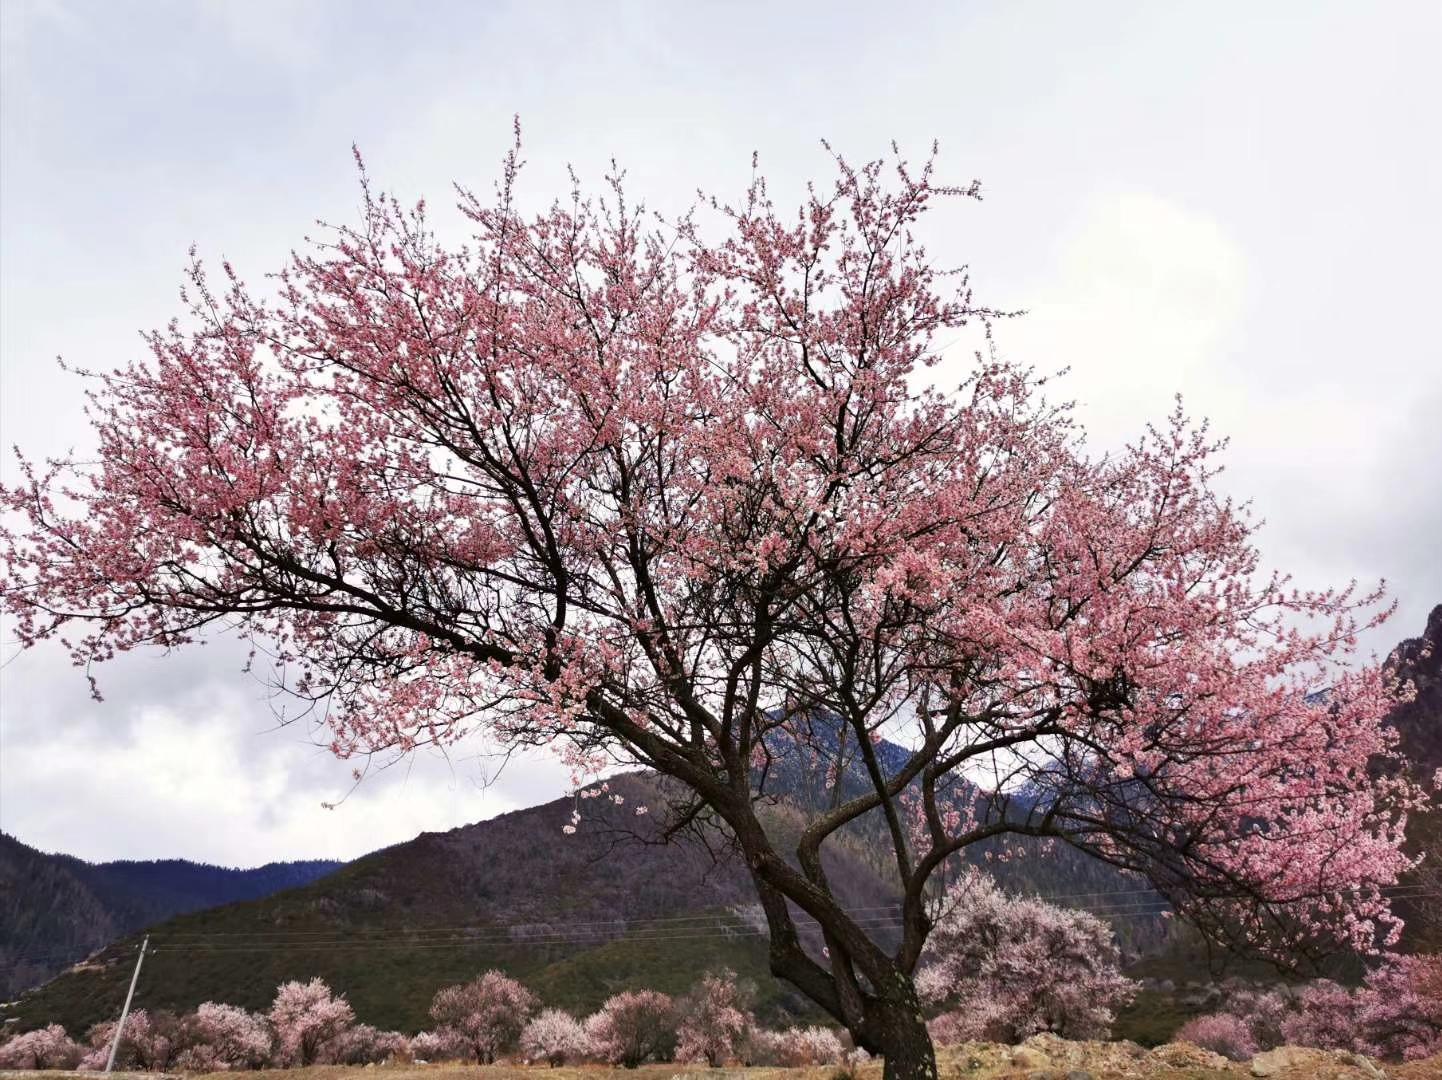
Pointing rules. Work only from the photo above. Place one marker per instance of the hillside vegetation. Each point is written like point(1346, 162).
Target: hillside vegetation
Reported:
point(56, 909)
point(575, 917)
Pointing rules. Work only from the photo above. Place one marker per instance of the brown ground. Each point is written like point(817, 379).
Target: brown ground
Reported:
point(1041, 1058)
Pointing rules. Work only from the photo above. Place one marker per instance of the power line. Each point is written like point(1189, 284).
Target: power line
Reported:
point(659, 929)
point(282, 936)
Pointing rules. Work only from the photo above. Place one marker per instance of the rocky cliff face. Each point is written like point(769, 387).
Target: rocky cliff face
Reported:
point(1416, 664)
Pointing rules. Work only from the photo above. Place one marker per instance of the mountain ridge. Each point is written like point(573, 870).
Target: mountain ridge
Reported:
point(55, 909)
point(575, 916)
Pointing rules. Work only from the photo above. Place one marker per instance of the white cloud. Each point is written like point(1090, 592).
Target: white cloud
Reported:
point(1139, 299)
point(183, 759)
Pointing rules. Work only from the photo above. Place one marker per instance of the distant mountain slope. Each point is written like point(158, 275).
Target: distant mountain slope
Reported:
point(48, 916)
point(56, 909)
point(577, 917)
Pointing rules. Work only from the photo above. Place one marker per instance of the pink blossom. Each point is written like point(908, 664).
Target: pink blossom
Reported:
point(489, 1013)
point(633, 1027)
point(44, 1048)
point(364, 1045)
point(1222, 1033)
point(715, 1020)
point(555, 1037)
point(794, 1048)
point(306, 1016)
point(150, 1040)
point(441, 1045)
point(1006, 968)
point(225, 1036)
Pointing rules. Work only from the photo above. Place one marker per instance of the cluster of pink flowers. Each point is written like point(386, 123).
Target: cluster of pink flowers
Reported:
point(44, 1048)
point(1396, 1013)
point(152, 1040)
point(633, 1027)
point(1224, 1033)
point(795, 1047)
point(228, 1037)
point(1004, 968)
point(307, 1024)
point(555, 1037)
point(305, 1017)
point(487, 1019)
point(715, 1021)
point(488, 1014)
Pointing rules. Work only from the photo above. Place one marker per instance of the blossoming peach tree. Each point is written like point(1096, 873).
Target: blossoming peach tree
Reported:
point(667, 492)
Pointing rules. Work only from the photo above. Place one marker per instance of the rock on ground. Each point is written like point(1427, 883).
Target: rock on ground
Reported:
point(1047, 1057)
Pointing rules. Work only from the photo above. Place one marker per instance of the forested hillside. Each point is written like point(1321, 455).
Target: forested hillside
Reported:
point(56, 909)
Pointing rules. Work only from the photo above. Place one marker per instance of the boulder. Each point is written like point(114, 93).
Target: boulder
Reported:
point(1368, 1067)
point(1183, 1055)
point(1056, 1050)
point(1029, 1057)
point(1274, 1062)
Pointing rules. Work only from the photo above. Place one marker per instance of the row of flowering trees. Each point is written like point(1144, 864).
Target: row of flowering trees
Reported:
point(489, 1018)
point(997, 968)
point(1396, 1013)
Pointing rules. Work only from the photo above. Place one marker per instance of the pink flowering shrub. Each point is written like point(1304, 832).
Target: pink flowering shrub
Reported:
point(150, 1041)
point(555, 1037)
point(44, 1048)
point(633, 1027)
point(1005, 968)
point(305, 1017)
point(489, 1013)
point(802, 1047)
point(794, 1048)
point(1396, 1013)
point(715, 1019)
point(1222, 1033)
point(92, 1057)
point(1265, 1012)
point(1399, 1008)
point(221, 1036)
point(363, 1045)
point(1325, 1016)
point(440, 1045)
point(760, 1047)
point(1253, 1020)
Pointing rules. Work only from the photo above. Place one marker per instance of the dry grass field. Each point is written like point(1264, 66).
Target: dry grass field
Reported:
point(1049, 1059)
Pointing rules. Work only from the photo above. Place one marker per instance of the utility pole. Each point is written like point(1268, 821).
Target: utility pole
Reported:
point(124, 1012)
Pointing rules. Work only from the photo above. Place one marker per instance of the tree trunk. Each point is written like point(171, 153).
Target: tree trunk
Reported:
point(899, 1034)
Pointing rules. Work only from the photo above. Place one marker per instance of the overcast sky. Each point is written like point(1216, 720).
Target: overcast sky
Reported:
point(1234, 201)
